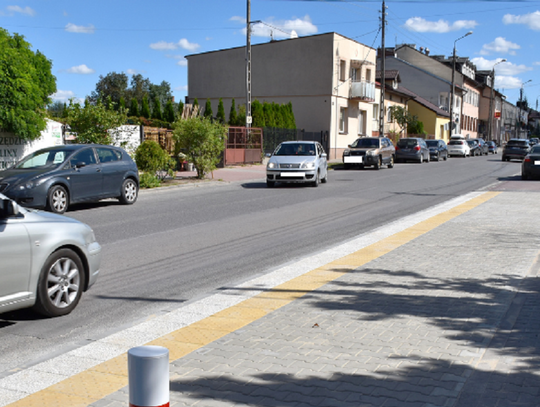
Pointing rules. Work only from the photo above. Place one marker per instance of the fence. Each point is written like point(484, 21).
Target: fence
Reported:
point(243, 147)
point(273, 137)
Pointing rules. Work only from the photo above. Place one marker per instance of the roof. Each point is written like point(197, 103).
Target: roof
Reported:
point(427, 104)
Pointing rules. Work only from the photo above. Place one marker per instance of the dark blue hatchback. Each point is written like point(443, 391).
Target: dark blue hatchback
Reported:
point(56, 177)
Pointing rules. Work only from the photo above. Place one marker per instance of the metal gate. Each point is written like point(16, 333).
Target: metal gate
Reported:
point(243, 147)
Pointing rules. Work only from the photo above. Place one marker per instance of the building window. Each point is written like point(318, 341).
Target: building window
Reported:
point(355, 74)
point(368, 75)
point(389, 117)
point(342, 70)
point(376, 112)
point(343, 120)
point(362, 123)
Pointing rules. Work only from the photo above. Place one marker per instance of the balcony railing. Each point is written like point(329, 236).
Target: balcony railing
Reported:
point(362, 90)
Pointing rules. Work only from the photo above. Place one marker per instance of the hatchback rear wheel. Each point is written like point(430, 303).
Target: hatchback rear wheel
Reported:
point(129, 192)
point(57, 199)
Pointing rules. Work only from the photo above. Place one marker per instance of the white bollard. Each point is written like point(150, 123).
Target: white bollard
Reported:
point(148, 374)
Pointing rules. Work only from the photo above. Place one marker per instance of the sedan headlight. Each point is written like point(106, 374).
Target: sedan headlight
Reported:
point(27, 185)
point(347, 152)
point(370, 152)
point(308, 165)
point(271, 165)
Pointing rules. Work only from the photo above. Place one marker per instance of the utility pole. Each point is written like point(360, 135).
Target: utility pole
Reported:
point(491, 112)
point(248, 67)
point(383, 68)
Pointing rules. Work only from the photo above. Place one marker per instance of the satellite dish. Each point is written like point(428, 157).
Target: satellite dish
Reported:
point(294, 34)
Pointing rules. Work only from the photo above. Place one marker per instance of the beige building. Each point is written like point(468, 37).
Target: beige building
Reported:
point(328, 78)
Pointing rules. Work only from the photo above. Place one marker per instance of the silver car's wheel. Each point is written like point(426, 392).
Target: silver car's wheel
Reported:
point(61, 284)
point(315, 183)
point(57, 201)
point(129, 192)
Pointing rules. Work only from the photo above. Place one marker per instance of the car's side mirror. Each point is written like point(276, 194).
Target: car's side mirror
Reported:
point(323, 155)
point(8, 208)
point(80, 164)
point(268, 155)
point(350, 146)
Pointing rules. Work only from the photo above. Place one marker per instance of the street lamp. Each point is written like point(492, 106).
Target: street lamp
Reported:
point(490, 118)
point(520, 104)
point(453, 74)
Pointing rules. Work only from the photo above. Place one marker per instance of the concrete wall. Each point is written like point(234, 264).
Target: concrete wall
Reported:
point(13, 148)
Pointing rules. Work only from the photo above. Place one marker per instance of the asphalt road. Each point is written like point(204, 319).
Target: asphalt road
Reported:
point(181, 244)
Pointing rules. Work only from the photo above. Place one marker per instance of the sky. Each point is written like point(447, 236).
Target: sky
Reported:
point(88, 39)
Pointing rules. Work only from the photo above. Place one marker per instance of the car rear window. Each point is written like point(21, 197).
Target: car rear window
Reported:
point(455, 143)
point(432, 143)
point(518, 143)
point(407, 142)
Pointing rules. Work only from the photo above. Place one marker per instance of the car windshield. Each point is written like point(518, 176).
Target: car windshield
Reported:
point(366, 143)
point(295, 149)
point(535, 150)
point(43, 158)
point(407, 143)
point(432, 143)
point(455, 143)
point(471, 142)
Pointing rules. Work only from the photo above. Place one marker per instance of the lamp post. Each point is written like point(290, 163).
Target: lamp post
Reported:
point(491, 113)
point(520, 104)
point(453, 75)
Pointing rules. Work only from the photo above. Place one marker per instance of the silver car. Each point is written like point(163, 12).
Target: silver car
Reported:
point(297, 162)
point(47, 260)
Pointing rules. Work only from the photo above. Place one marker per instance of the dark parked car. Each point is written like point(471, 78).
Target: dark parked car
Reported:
point(56, 177)
point(533, 141)
point(492, 147)
point(530, 167)
point(475, 147)
point(412, 149)
point(483, 146)
point(369, 151)
point(437, 149)
point(515, 149)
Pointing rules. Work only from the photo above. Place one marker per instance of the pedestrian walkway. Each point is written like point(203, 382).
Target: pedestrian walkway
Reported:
point(437, 309)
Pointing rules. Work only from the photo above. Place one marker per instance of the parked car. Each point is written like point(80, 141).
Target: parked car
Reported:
point(412, 149)
point(459, 148)
point(483, 146)
point(474, 147)
point(48, 260)
point(56, 177)
point(369, 151)
point(530, 166)
point(492, 147)
point(515, 149)
point(297, 162)
point(437, 149)
point(533, 141)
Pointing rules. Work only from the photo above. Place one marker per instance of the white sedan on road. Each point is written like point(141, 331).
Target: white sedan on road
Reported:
point(297, 162)
point(459, 147)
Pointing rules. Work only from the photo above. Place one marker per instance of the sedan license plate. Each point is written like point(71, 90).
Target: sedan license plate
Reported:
point(354, 160)
point(292, 174)
point(537, 162)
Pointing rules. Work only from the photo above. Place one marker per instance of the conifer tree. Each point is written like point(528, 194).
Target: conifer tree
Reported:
point(232, 114)
point(268, 115)
point(291, 116)
point(168, 114)
point(257, 113)
point(134, 108)
point(122, 103)
point(156, 111)
point(221, 112)
point(180, 110)
point(208, 109)
point(145, 110)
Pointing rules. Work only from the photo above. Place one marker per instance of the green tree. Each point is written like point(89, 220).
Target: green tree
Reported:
point(291, 116)
point(257, 113)
point(134, 108)
point(180, 109)
point(94, 123)
point(156, 110)
point(268, 115)
point(139, 88)
point(208, 109)
point(405, 120)
point(168, 114)
point(26, 83)
point(122, 104)
point(220, 112)
point(154, 160)
point(145, 110)
point(161, 92)
point(202, 141)
point(232, 114)
point(113, 85)
point(55, 109)
point(241, 116)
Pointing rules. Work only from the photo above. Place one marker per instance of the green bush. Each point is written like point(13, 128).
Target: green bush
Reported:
point(147, 180)
point(152, 159)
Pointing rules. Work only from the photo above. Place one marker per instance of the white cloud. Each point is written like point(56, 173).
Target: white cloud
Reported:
point(12, 10)
point(80, 29)
point(79, 70)
point(134, 71)
point(238, 18)
point(532, 20)
point(183, 43)
point(63, 95)
point(182, 62)
point(283, 28)
point(418, 24)
point(501, 46)
point(504, 68)
point(181, 88)
point(507, 82)
point(537, 63)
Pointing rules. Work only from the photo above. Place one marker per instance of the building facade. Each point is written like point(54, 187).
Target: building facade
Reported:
point(328, 78)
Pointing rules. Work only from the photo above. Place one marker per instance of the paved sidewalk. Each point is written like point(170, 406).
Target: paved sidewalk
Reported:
point(440, 309)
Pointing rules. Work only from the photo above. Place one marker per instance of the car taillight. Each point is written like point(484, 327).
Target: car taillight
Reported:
point(397, 148)
point(417, 148)
point(527, 159)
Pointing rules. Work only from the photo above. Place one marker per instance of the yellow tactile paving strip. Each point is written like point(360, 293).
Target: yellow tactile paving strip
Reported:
point(98, 382)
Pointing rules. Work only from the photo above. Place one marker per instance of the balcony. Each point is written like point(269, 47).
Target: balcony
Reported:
point(363, 91)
